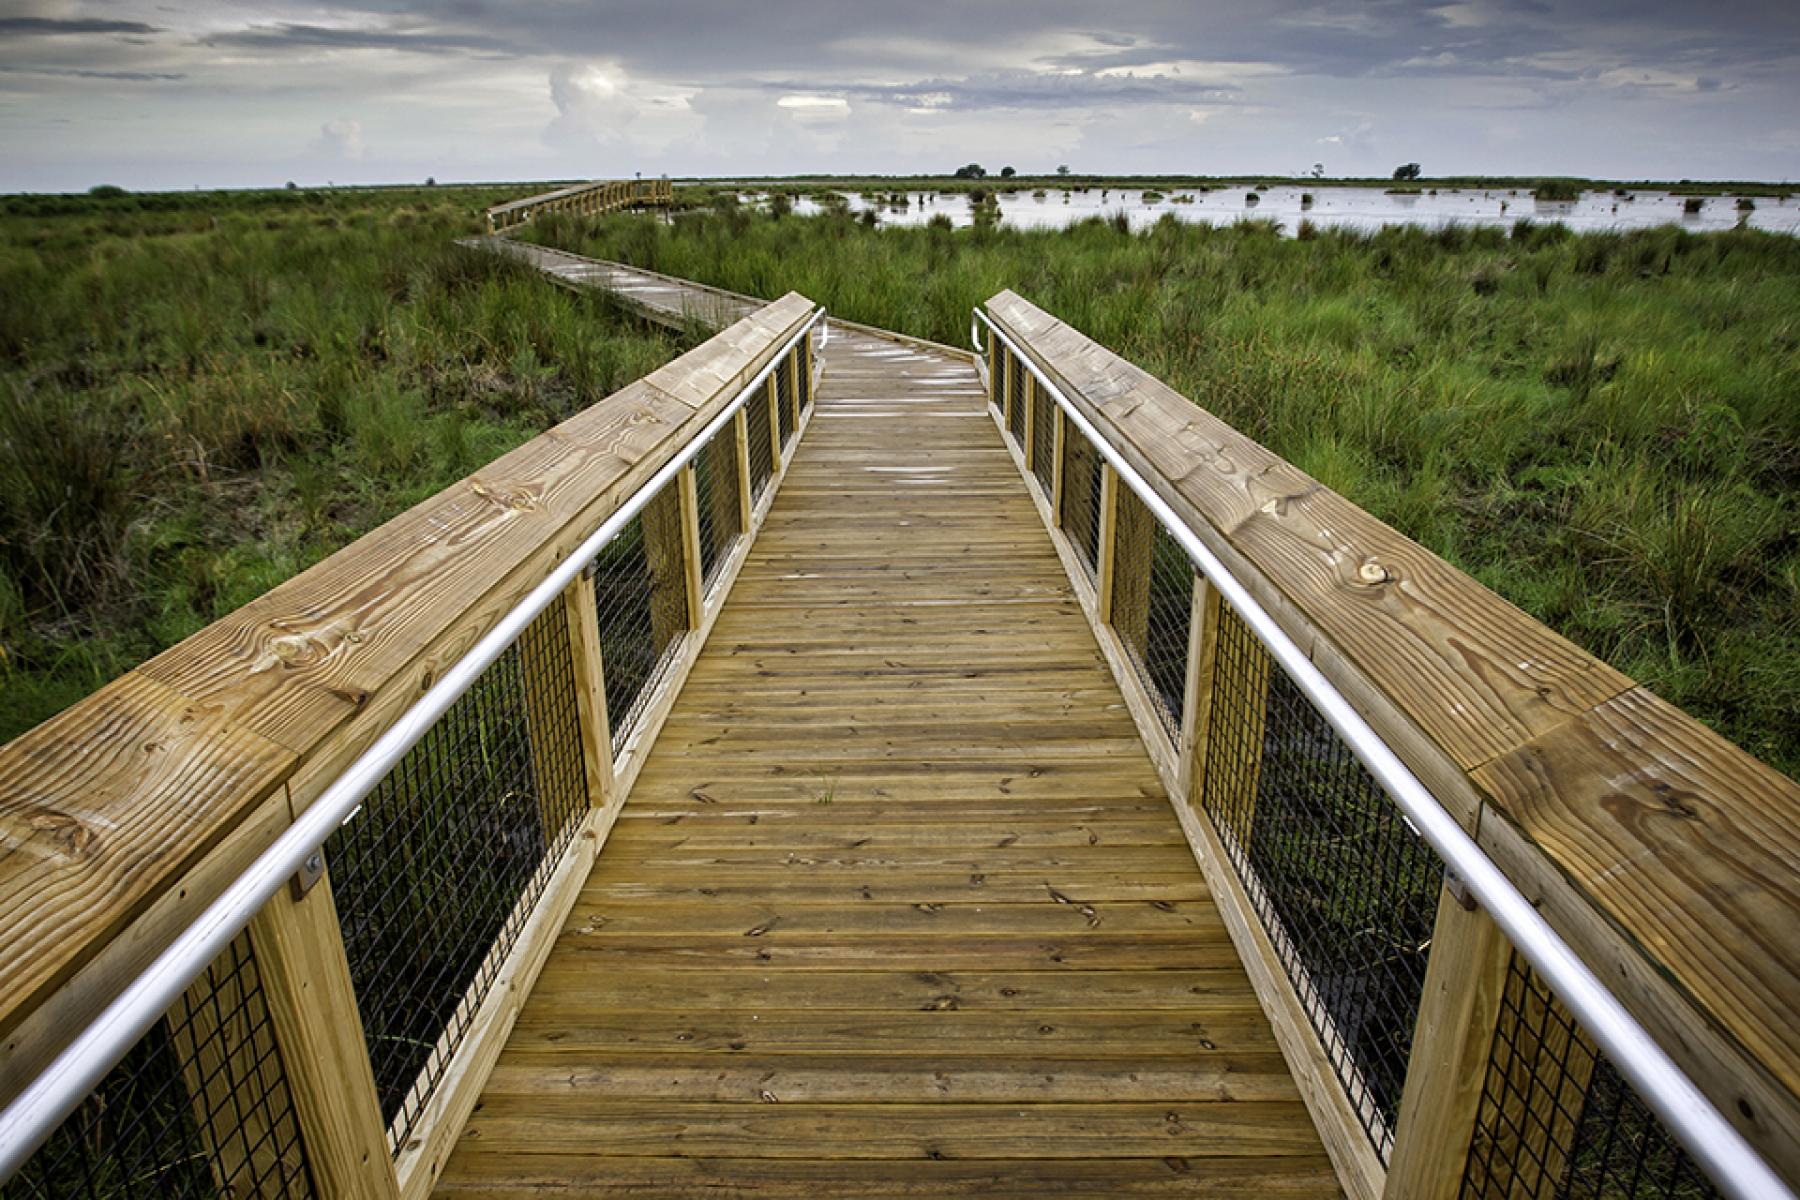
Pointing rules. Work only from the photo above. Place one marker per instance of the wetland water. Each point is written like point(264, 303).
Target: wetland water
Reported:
point(1336, 207)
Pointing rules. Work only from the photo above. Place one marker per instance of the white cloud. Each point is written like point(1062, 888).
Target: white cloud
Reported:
point(343, 139)
point(600, 104)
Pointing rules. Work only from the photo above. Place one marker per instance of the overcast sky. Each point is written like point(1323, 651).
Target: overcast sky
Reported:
point(256, 92)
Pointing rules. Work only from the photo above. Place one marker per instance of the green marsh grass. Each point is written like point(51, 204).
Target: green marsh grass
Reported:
point(201, 395)
point(1603, 428)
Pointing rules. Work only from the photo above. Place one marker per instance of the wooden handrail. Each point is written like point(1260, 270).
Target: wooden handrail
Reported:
point(597, 196)
point(1665, 855)
point(126, 813)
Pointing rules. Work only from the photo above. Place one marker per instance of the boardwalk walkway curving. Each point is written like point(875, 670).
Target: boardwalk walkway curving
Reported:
point(898, 906)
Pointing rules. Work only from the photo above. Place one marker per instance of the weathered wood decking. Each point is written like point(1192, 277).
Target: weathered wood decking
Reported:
point(898, 906)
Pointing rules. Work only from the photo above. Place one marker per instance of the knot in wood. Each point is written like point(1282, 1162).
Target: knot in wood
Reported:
point(1372, 573)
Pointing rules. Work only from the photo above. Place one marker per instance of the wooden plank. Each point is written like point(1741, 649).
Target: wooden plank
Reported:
point(896, 862)
point(1447, 1068)
point(312, 1009)
point(103, 804)
point(1282, 1177)
point(690, 546)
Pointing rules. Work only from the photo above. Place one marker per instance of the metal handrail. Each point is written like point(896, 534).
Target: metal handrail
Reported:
point(34, 1114)
point(1727, 1158)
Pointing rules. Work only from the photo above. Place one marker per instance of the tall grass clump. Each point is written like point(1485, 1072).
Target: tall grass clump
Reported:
point(202, 394)
point(1603, 428)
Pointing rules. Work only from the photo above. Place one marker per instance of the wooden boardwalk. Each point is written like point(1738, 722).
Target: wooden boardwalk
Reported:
point(898, 906)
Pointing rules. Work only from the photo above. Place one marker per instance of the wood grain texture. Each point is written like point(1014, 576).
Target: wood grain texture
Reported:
point(111, 804)
point(897, 885)
point(1670, 857)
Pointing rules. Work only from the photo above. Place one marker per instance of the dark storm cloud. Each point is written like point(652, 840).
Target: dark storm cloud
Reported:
point(320, 37)
point(53, 26)
point(490, 87)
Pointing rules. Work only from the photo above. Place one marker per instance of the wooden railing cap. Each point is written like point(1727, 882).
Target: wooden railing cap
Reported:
point(110, 804)
point(1685, 848)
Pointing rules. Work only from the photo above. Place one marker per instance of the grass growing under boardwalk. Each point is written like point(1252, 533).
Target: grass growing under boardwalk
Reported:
point(1603, 428)
point(202, 396)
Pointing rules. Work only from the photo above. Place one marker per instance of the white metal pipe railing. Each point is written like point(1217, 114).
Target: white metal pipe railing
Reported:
point(1722, 1152)
point(35, 1112)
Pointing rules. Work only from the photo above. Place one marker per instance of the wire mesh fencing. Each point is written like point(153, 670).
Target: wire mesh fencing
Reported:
point(436, 875)
point(762, 457)
point(1015, 398)
point(716, 495)
point(1345, 887)
point(1558, 1121)
point(1152, 606)
point(781, 380)
point(1080, 509)
point(1043, 441)
point(199, 1107)
point(640, 594)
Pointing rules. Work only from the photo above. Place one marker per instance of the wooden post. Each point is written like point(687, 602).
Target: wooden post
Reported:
point(581, 610)
point(1465, 978)
point(774, 423)
point(1132, 560)
point(1030, 447)
point(993, 379)
point(1196, 701)
point(1056, 465)
point(690, 546)
point(1247, 705)
point(546, 717)
point(662, 551)
point(1104, 543)
point(1003, 374)
point(740, 428)
point(305, 975)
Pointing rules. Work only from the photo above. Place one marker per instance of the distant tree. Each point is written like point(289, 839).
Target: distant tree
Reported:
point(1007, 172)
point(431, 181)
point(106, 191)
point(972, 171)
point(1407, 171)
point(1318, 171)
point(1063, 170)
point(292, 186)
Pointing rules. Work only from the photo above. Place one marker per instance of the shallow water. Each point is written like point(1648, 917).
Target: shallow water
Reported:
point(1340, 207)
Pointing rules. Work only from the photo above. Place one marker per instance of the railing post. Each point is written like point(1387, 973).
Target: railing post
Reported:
point(1061, 431)
point(1196, 697)
point(1465, 981)
point(772, 398)
point(690, 545)
point(1028, 393)
point(581, 611)
point(1003, 370)
point(299, 949)
point(1105, 543)
point(661, 521)
point(740, 437)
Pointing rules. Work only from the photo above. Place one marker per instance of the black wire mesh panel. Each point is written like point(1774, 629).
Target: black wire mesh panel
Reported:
point(1152, 606)
point(1015, 393)
point(640, 593)
point(1344, 885)
point(1043, 441)
point(782, 380)
point(1080, 515)
point(762, 458)
point(435, 876)
point(198, 1108)
point(716, 499)
point(1557, 1119)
